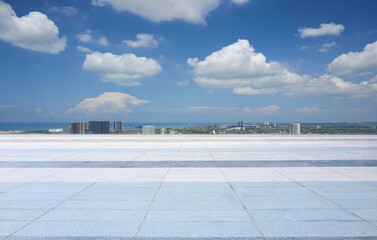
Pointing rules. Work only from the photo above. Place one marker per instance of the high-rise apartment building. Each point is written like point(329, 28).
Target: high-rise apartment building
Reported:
point(117, 126)
point(294, 128)
point(99, 127)
point(148, 129)
point(77, 127)
point(240, 124)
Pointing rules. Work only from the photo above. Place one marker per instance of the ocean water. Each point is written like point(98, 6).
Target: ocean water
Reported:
point(45, 126)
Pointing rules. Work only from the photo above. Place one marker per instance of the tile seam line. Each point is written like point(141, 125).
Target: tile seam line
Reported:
point(238, 197)
point(66, 200)
point(150, 205)
point(49, 210)
point(328, 200)
point(340, 173)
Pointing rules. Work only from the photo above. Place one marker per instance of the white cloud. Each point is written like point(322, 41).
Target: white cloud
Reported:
point(240, 2)
point(331, 85)
point(183, 83)
point(86, 37)
point(313, 109)
point(304, 47)
point(83, 49)
point(238, 65)
point(108, 103)
point(191, 11)
point(122, 69)
point(326, 46)
point(251, 91)
point(356, 62)
point(68, 10)
point(324, 29)
point(270, 109)
point(209, 108)
point(143, 40)
point(103, 41)
point(33, 31)
point(38, 110)
point(8, 106)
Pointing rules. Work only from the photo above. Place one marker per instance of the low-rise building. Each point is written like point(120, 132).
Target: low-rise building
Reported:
point(148, 129)
point(55, 130)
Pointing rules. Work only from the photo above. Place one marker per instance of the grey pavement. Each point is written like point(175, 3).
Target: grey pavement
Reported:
point(188, 187)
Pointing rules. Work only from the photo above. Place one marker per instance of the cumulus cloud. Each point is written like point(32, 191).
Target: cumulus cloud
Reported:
point(191, 11)
point(122, 69)
point(240, 2)
point(103, 41)
point(83, 49)
point(183, 83)
point(352, 63)
point(33, 31)
point(238, 66)
point(142, 40)
point(86, 37)
point(68, 10)
point(108, 103)
point(331, 85)
point(326, 46)
point(324, 29)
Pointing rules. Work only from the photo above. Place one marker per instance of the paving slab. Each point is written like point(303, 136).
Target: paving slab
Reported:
point(188, 187)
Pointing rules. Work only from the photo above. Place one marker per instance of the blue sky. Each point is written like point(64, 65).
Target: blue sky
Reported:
point(188, 61)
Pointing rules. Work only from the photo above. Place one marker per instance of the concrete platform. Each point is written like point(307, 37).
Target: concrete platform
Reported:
point(188, 187)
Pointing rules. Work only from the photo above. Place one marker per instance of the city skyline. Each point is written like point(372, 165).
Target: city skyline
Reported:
point(222, 61)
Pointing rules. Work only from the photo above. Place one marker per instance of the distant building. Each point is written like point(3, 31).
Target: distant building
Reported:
point(55, 130)
point(266, 123)
point(162, 130)
point(99, 127)
point(294, 128)
point(77, 127)
point(117, 126)
point(148, 129)
point(240, 124)
point(219, 126)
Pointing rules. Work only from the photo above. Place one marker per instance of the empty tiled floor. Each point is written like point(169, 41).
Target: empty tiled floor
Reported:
point(187, 186)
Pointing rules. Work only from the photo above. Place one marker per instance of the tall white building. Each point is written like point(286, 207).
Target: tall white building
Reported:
point(294, 128)
point(148, 129)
